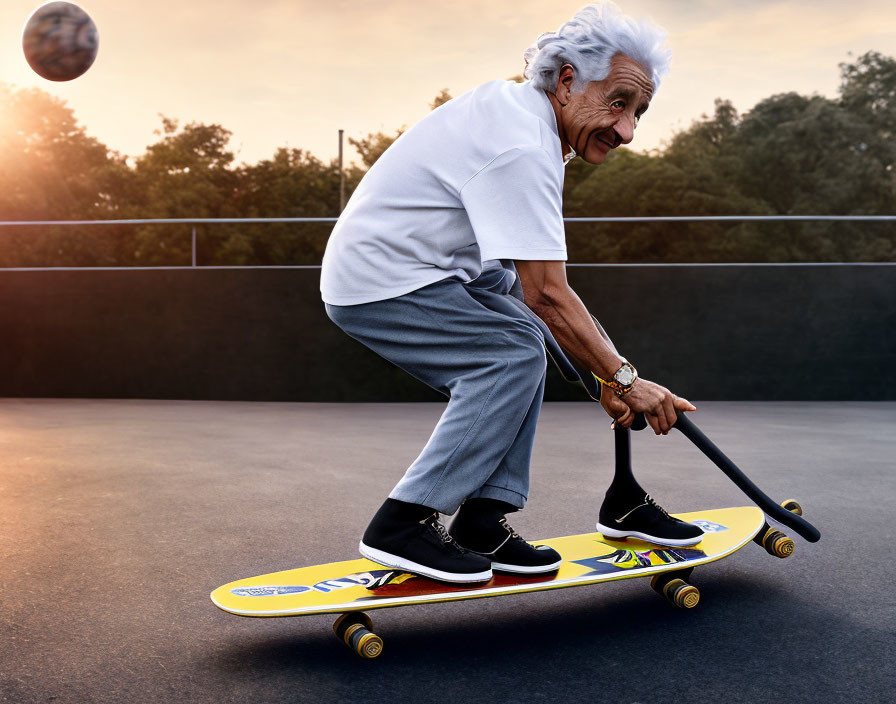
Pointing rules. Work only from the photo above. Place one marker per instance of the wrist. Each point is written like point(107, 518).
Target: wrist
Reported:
point(622, 381)
point(626, 392)
point(609, 367)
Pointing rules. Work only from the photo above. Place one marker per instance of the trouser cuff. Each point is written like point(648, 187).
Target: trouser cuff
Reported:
point(499, 492)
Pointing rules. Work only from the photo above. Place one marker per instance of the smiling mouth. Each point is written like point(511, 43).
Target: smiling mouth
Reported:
point(603, 141)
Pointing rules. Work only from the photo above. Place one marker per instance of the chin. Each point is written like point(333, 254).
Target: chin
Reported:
point(595, 156)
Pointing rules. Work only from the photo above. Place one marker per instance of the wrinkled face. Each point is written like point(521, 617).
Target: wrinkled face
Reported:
point(606, 113)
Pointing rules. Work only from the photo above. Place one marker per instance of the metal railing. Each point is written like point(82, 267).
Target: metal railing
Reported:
point(611, 219)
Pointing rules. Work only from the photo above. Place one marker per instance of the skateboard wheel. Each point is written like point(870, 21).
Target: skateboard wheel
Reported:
point(353, 629)
point(364, 643)
point(775, 542)
point(676, 591)
point(793, 506)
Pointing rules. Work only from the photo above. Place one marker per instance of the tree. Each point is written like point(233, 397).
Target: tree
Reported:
point(372, 147)
point(51, 170)
point(188, 173)
point(291, 184)
point(868, 91)
point(868, 87)
point(788, 154)
point(443, 97)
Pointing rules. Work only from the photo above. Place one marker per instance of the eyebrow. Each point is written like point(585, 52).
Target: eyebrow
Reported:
point(622, 93)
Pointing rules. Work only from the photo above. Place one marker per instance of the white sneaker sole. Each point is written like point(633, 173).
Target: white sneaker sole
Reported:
point(610, 533)
point(526, 569)
point(401, 563)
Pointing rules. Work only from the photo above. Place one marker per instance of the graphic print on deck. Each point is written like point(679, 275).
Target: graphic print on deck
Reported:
point(360, 584)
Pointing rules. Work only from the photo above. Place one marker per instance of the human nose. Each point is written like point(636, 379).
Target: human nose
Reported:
point(625, 128)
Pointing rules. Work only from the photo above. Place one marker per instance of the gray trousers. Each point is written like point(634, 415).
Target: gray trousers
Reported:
point(483, 350)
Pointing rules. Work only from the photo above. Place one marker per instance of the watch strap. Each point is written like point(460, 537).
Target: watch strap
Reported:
point(619, 388)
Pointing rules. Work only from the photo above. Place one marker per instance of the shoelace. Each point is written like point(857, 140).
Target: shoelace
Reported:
point(433, 522)
point(653, 503)
point(513, 533)
point(649, 499)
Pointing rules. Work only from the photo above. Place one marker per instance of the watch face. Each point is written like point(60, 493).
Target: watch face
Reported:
point(625, 375)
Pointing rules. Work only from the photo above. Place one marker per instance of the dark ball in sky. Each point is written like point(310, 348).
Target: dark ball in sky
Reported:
point(60, 41)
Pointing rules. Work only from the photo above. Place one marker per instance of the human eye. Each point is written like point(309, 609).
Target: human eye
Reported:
point(618, 105)
point(639, 114)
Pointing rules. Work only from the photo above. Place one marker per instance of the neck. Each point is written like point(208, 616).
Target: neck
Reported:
point(564, 142)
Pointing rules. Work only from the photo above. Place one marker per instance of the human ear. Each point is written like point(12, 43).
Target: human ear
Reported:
point(564, 83)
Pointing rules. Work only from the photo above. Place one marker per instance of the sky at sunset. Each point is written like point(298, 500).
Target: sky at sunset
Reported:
point(292, 72)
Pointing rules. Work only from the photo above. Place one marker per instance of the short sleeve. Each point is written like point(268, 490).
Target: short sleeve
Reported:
point(515, 206)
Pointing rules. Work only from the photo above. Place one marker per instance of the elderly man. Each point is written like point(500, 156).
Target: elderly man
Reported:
point(458, 216)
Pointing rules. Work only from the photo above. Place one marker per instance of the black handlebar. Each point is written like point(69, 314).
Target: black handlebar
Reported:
point(743, 482)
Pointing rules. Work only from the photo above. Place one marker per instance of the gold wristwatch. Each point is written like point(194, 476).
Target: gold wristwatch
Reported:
point(622, 380)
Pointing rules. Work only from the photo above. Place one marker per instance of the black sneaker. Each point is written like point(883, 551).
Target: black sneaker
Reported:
point(645, 520)
point(409, 537)
point(500, 543)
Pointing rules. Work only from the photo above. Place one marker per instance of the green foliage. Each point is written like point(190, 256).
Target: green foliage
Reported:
point(292, 184)
point(868, 88)
point(789, 154)
point(186, 174)
point(443, 97)
point(371, 147)
point(51, 170)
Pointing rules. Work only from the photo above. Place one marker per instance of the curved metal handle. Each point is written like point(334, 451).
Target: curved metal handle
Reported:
point(799, 524)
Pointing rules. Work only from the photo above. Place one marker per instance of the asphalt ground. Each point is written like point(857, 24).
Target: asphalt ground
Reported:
point(118, 518)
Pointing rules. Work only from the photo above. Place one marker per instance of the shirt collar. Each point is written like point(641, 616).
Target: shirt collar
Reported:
point(541, 106)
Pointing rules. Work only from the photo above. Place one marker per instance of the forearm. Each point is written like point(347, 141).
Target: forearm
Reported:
point(578, 333)
point(603, 333)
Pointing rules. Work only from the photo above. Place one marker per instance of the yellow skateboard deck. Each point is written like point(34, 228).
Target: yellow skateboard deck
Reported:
point(362, 585)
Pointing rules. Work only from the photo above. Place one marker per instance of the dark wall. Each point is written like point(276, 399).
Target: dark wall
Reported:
point(707, 332)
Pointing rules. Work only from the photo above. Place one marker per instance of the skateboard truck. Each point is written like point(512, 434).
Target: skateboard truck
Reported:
point(673, 586)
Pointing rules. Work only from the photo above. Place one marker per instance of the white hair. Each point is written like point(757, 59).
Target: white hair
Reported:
point(588, 42)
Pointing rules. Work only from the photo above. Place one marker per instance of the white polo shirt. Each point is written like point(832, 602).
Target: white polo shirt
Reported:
point(480, 178)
